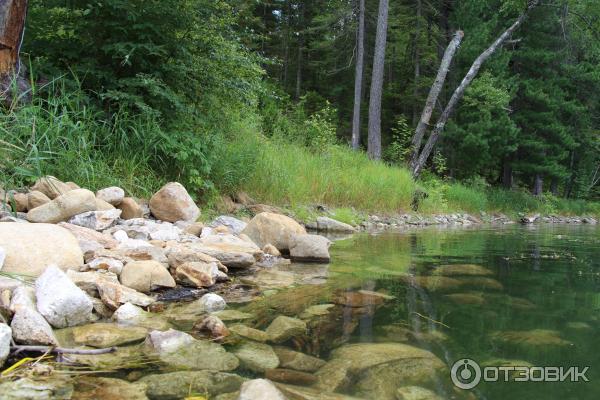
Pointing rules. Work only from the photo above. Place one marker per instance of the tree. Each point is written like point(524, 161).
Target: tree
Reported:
point(360, 56)
point(374, 143)
point(12, 25)
point(460, 90)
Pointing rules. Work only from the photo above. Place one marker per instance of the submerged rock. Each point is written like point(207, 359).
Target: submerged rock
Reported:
point(168, 341)
point(416, 393)
point(213, 326)
point(462, 269)
point(52, 387)
point(107, 335)
point(129, 314)
point(466, 298)
point(283, 328)
point(298, 361)
point(537, 338)
point(172, 203)
point(60, 301)
point(30, 248)
point(96, 388)
point(200, 355)
point(276, 229)
point(290, 376)
point(257, 357)
point(178, 385)
point(249, 333)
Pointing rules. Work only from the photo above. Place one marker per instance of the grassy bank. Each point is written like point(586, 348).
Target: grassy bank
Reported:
point(63, 136)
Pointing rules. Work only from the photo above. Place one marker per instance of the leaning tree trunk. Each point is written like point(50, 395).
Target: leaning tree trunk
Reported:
point(374, 143)
point(460, 90)
point(360, 57)
point(12, 25)
point(434, 92)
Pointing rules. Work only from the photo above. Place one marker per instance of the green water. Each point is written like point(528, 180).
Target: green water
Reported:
point(541, 278)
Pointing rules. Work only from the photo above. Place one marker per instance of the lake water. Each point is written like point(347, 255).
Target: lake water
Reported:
point(539, 304)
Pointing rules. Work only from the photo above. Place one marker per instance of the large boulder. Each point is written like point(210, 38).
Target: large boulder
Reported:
point(172, 203)
point(51, 187)
point(60, 301)
point(276, 229)
point(30, 248)
point(310, 248)
point(229, 249)
point(145, 276)
point(63, 207)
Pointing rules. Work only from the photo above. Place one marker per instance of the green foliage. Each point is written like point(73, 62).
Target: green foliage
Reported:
point(399, 149)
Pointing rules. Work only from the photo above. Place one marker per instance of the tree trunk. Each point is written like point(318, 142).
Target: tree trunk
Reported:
point(460, 90)
point(538, 185)
point(417, 59)
point(360, 56)
point(434, 92)
point(554, 186)
point(299, 61)
point(12, 26)
point(374, 145)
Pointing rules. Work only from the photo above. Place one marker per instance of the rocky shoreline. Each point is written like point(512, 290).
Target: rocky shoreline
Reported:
point(100, 279)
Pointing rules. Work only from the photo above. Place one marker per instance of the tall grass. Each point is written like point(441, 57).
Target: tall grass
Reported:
point(289, 174)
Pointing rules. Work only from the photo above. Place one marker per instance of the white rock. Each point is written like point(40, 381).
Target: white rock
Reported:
point(126, 243)
point(260, 389)
point(29, 327)
point(60, 301)
point(168, 341)
point(5, 338)
point(96, 220)
point(332, 225)
point(235, 225)
point(211, 302)
point(113, 195)
point(310, 248)
point(22, 297)
point(2, 256)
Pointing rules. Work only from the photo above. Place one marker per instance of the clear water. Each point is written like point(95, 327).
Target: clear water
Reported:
point(549, 279)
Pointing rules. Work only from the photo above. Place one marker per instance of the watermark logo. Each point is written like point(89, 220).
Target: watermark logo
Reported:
point(467, 374)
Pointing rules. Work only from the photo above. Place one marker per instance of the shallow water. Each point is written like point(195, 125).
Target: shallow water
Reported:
point(549, 280)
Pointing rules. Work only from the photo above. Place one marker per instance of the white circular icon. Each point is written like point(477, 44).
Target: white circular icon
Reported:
point(466, 374)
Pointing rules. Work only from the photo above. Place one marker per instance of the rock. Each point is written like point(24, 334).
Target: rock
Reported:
point(194, 228)
point(102, 205)
point(51, 388)
point(290, 376)
point(181, 254)
point(416, 393)
point(20, 201)
point(271, 250)
point(178, 385)
point(60, 301)
point(29, 327)
point(197, 274)
point(233, 315)
point(310, 248)
point(104, 335)
point(31, 247)
point(276, 229)
point(211, 302)
point(90, 239)
point(168, 341)
point(145, 276)
point(466, 298)
point(113, 195)
point(51, 187)
point(332, 225)
point(307, 393)
point(2, 257)
point(249, 333)
point(298, 361)
point(283, 328)
point(96, 220)
point(361, 298)
point(257, 357)
point(462, 269)
point(89, 281)
point(63, 207)
point(536, 338)
point(260, 389)
point(256, 209)
point(200, 355)
point(130, 209)
point(95, 388)
point(106, 264)
point(5, 339)
point(214, 326)
point(244, 199)
point(235, 225)
point(173, 203)
point(128, 314)
point(22, 297)
point(229, 249)
point(316, 311)
point(375, 362)
point(36, 198)
point(113, 295)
